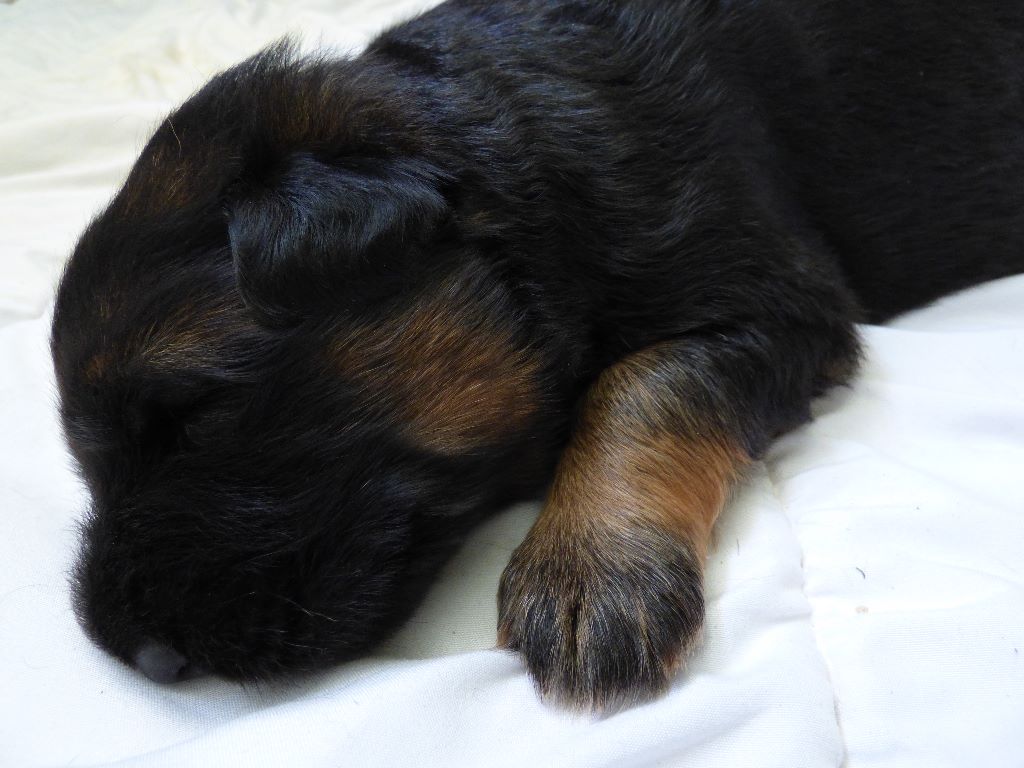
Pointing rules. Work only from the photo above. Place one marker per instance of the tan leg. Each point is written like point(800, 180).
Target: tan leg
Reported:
point(604, 596)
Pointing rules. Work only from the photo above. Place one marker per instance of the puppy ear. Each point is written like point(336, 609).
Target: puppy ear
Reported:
point(313, 229)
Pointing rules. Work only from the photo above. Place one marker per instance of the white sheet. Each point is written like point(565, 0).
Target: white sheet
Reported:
point(866, 592)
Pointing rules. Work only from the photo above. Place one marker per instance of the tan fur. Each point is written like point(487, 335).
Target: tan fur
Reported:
point(173, 172)
point(191, 335)
point(455, 378)
point(637, 459)
point(186, 338)
point(676, 484)
point(613, 564)
point(97, 367)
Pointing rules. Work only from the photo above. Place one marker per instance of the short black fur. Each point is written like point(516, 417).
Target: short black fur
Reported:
point(748, 178)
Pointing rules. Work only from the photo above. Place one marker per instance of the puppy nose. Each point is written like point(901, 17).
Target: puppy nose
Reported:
point(162, 664)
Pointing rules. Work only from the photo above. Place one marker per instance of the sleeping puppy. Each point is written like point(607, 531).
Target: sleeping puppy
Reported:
point(600, 252)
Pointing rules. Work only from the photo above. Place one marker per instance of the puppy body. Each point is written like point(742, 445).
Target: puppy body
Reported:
point(342, 308)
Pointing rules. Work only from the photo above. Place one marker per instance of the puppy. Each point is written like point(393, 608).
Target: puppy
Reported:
point(597, 251)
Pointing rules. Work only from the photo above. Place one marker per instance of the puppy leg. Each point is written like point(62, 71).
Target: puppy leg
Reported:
point(604, 596)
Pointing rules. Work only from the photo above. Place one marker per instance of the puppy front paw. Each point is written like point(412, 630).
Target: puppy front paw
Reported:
point(602, 619)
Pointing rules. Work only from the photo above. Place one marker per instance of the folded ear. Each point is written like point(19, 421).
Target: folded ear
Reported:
point(313, 228)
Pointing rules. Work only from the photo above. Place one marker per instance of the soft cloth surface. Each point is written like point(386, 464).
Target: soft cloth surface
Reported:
point(866, 595)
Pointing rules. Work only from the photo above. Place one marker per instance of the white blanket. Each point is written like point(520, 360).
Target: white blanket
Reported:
point(866, 593)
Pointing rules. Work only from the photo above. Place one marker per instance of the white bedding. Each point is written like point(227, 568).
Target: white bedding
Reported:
point(866, 594)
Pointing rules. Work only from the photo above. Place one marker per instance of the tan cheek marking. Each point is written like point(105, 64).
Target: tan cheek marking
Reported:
point(454, 378)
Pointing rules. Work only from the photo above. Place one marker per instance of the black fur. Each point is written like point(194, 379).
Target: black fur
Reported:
point(749, 178)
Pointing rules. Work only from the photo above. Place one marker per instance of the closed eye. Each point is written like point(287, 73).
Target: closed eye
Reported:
point(184, 426)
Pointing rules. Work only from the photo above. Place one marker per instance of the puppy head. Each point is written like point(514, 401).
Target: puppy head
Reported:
point(289, 379)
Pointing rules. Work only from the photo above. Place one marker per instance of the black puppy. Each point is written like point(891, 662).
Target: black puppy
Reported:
point(604, 250)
